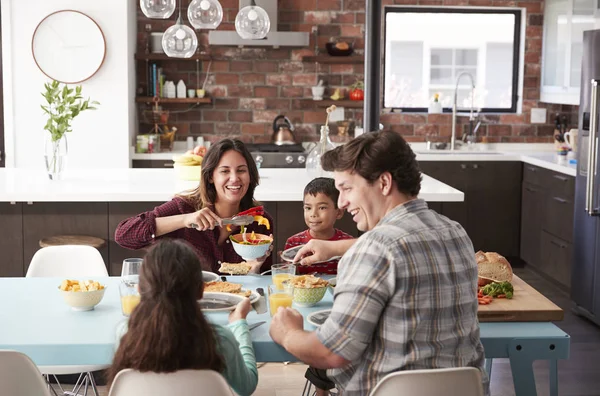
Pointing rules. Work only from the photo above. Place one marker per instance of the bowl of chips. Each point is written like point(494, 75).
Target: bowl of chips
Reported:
point(251, 246)
point(308, 290)
point(82, 295)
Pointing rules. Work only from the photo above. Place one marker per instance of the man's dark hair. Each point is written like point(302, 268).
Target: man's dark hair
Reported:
point(323, 185)
point(374, 153)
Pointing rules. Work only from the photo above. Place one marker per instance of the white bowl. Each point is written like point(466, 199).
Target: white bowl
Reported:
point(250, 252)
point(83, 300)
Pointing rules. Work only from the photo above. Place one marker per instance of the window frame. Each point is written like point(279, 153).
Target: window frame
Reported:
point(517, 12)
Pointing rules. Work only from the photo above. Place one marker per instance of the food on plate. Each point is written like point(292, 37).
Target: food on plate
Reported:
point(492, 267)
point(80, 286)
point(308, 282)
point(226, 287)
point(235, 269)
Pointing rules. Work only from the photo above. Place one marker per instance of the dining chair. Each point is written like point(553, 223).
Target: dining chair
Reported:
point(69, 261)
point(19, 376)
point(459, 381)
point(130, 382)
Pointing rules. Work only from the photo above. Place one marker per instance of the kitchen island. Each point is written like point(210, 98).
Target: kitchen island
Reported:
point(94, 202)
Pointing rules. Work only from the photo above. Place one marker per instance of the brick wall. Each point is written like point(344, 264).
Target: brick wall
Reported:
point(251, 86)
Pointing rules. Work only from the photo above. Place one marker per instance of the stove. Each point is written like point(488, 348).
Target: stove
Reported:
point(270, 155)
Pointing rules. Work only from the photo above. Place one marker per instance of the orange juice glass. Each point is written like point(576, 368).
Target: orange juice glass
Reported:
point(280, 298)
point(281, 273)
point(130, 297)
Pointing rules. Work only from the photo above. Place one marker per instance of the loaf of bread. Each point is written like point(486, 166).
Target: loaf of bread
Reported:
point(492, 267)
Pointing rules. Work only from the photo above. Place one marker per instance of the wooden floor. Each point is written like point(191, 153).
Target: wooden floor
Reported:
point(578, 376)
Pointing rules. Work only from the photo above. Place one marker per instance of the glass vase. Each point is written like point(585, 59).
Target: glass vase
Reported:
point(313, 161)
point(55, 155)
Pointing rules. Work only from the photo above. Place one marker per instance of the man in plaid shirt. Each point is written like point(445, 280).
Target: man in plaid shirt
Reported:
point(405, 297)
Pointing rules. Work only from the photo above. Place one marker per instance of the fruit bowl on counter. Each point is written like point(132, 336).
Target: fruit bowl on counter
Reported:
point(188, 166)
point(340, 48)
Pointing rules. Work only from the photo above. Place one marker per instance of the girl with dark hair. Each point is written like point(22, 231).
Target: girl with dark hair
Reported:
point(168, 332)
point(228, 179)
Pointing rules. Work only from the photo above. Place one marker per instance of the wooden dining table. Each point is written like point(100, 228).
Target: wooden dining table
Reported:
point(35, 320)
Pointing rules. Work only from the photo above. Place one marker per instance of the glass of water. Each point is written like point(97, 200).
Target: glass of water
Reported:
point(130, 272)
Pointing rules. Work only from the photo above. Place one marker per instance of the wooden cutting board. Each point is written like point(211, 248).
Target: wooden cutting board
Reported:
point(527, 305)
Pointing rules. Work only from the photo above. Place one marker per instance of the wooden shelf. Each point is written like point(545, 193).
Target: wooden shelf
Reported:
point(351, 59)
point(357, 104)
point(150, 99)
point(156, 57)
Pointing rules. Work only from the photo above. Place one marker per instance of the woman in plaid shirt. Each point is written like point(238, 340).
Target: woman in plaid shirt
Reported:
point(229, 177)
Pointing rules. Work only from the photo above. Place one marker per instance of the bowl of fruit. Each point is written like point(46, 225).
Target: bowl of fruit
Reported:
point(189, 165)
point(340, 48)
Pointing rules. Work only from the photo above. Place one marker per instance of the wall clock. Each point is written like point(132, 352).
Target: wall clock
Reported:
point(68, 46)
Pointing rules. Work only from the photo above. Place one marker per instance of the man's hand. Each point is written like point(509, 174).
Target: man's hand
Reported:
point(317, 250)
point(285, 321)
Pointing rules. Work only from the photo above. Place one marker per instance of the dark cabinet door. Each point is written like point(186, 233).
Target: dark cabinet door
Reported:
point(152, 164)
point(532, 210)
point(117, 212)
point(493, 206)
point(556, 255)
point(11, 239)
point(453, 174)
point(44, 219)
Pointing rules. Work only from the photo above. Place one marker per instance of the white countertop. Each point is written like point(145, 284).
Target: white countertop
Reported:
point(158, 185)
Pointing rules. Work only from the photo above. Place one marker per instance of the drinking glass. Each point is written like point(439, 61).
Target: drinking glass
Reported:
point(130, 272)
point(281, 273)
point(280, 297)
point(130, 297)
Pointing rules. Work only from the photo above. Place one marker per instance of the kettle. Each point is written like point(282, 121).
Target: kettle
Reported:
point(283, 133)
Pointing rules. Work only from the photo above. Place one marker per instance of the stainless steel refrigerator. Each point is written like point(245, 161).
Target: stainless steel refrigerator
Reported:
point(585, 276)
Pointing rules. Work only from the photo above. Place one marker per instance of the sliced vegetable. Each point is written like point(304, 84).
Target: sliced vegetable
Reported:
point(262, 221)
point(255, 211)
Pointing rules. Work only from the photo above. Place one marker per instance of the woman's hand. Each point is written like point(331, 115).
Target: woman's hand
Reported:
point(240, 311)
point(202, 220)
point(257, 263)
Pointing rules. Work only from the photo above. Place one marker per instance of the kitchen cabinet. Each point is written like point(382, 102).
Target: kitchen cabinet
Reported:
point(44, 219)
point(547, 222)
point(151, 163)
point(11, 239)
point(564, 23)
point(490, 212)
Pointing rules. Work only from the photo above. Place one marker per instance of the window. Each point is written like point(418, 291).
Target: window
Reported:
point(427, 48)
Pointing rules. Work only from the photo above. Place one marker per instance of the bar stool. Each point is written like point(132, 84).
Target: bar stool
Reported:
point(59, 240)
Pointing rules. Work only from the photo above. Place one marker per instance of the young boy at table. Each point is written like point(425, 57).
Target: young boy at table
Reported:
point(320, 214)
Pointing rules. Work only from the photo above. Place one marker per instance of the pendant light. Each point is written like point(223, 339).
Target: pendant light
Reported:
point(252, 22)
point(205, 14)
point(179, 41)
point(157, 9)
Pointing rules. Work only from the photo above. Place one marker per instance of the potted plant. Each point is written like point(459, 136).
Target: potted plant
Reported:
point(63, 105)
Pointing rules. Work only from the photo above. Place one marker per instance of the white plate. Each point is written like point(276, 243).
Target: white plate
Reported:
point(210, 276)
point(319, 317)
point(219, 302)
point(289, 254)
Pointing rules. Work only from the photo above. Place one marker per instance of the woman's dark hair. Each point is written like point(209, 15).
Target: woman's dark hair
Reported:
point(167, 330)
point(323, 185)
point(374, 153)
point(206, 194)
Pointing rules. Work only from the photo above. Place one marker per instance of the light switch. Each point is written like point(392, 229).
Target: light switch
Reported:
point(538, 116)
point(337, 115)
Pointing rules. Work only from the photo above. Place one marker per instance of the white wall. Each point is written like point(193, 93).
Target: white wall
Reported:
point(100, 138)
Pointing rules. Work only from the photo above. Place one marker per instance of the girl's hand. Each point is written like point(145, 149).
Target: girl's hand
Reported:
point(202, 220)
point(240, 311)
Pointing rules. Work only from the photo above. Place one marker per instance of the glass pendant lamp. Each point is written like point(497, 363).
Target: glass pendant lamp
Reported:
point(179, 41)
point(252, 22)
point(205, 14)
point(157, 9)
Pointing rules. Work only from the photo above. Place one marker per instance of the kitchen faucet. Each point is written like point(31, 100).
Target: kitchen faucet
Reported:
point(454, 104)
